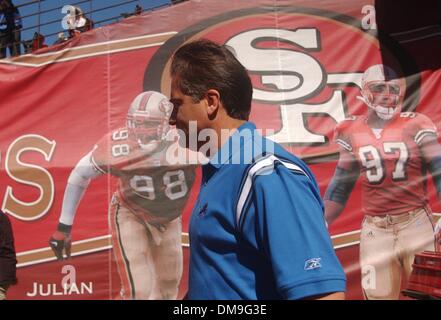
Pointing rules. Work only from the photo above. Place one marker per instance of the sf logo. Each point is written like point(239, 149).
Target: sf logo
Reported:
point(291, 77)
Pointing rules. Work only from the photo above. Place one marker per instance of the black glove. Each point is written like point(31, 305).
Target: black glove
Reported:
point(61, 241)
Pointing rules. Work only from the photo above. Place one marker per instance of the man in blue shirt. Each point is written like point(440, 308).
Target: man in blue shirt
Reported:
point(257, 230)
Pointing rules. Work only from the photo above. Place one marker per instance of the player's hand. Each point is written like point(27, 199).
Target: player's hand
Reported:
point(59, 242)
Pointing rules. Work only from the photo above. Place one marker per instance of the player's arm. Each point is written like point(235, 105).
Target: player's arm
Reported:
point(431, 150)
point(77, 184)
point(338, 191)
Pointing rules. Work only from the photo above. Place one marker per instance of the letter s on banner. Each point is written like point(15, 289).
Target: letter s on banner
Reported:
point(296, 75)
point(31, 175)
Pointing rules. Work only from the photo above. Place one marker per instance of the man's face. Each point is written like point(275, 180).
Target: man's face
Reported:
point(185, 110)
point(386, 94)
point(385, 98)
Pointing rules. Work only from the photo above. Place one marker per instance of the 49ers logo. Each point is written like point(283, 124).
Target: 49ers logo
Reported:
point(306, 66)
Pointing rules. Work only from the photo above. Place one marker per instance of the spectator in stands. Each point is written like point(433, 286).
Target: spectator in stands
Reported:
point(10, 29)
point(61, 38)
point(27, 45)
point(138, 10)
point(8, 261)
point(38, 42)
point(3, 31)
point(79, 24)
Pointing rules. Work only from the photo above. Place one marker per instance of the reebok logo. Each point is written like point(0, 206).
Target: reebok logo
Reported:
point(312, 264)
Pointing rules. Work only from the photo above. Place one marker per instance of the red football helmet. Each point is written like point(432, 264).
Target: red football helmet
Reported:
point(147, 118)
point(382, 91)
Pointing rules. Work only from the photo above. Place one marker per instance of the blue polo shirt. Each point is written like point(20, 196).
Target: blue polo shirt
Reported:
point(257, 230)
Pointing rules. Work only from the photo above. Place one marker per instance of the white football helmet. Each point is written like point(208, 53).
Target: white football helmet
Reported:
point(382, 91)
point(147, 119)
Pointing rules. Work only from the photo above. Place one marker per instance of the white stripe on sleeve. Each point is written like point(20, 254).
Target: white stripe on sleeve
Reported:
point(265, 162)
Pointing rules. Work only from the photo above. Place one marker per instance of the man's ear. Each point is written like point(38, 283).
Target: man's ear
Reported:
point(213, 103)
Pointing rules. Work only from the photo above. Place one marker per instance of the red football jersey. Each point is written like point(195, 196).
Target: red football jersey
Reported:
point(148, 185)
point(392, 168)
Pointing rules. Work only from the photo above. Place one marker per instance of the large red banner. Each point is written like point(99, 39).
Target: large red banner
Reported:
point(305, 58)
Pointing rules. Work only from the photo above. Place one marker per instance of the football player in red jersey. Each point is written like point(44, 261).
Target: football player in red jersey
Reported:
point(146, 207)
point(390, 151)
